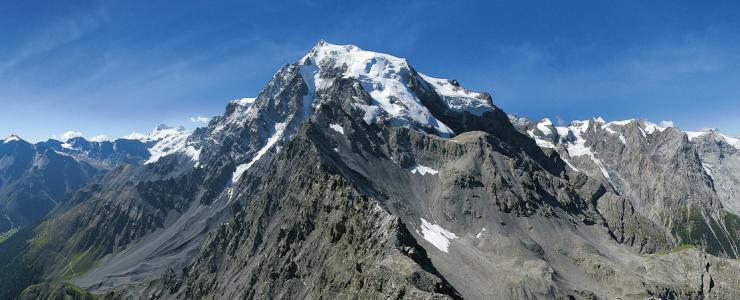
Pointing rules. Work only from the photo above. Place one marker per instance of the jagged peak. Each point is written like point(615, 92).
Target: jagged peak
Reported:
point(160, 131)
point(715, 134)
point(12, 138)
point(389, 80)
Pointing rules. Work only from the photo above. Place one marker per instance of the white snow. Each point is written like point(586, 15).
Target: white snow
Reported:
point(708, 169)
point(11, 138)
point(99, 138)
point(544, 144)
point(735, 142)
point(436, 235)
point(620, 123)
point(562, 131)
point(242, 112)
point(423, 170)
point(166, 140)
point(621, 138)
point(240, 169)
point(540, 142)
point(383, 76)
point(337, 128)
point(458, 98)
point(67, 146)
point(480, 234)
point(244, 101)
point(544, 126)
point(578, 147)
point(279, 130)
point(650, 128)
point(695, 134)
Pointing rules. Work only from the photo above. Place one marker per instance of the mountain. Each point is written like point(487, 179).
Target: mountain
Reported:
point(352, 175)
point(35, 178)
point(665, 174)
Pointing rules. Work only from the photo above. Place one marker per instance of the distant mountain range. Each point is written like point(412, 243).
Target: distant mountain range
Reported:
point(34, 178)
point(352, 175)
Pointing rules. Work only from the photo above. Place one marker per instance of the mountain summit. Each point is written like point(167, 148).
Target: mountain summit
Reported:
point(351, 175)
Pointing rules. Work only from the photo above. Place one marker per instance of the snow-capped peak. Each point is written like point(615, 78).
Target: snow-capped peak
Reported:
point(11, 138)
point(544, 126)
point(160, 132)
point(388, 80)
point(458, 98)
point(734, 142)
point(165, 140)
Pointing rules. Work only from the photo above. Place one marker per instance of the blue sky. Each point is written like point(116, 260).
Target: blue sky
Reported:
point(113, 67)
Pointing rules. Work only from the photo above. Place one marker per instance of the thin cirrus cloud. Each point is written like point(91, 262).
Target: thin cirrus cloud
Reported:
point(102, 67)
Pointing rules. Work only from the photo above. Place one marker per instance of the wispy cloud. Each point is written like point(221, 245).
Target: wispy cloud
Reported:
point(99, 138)
point(68, 135)
point(200, 119)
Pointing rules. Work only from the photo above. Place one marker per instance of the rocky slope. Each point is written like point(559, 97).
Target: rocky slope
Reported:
point(664, 175)
point(352, 175)
point(34, 179)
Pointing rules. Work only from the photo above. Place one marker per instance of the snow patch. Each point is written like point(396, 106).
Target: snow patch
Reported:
point(735, 142)
point(240, 169)
point(11, 138)
point(708, 169)
point(578, 147)
point(620, 123)
point(244, 101)
point(458, 98)
point(695, 134)
point(480, 234)
point(544, 126)
point(166, 140)
point(540, 142)
point(423, 170)
point(337, 128)
point(279, 130)
point(544, 144)
point(436, 235)
point(650, 128)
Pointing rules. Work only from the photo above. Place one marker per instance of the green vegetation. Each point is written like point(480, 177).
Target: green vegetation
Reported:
point(8, 234)
point(57, 290)
point(678, 248)
point(693, 229)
